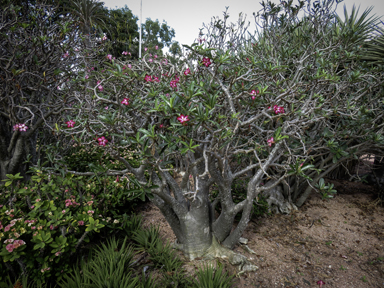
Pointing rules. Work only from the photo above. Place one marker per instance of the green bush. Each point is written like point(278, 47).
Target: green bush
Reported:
point(43, 223)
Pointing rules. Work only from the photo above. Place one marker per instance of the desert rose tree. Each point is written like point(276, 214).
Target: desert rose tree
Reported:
point(230, 109)
point(37, 58)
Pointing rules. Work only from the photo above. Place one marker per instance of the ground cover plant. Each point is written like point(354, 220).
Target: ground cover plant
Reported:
point(45, 224)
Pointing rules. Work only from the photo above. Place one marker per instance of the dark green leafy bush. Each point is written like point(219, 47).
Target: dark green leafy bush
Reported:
point(45, 223)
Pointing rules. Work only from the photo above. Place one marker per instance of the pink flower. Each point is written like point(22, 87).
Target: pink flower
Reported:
point(9, 247)
point(150, 60)
point(22, 127)
point(66, 54)
point(101, 89)
point(145, 49)
point(320, 283)
point(33, 227)
point(161, 126)
point(104, 37)
point(165, 61)
point(102, 141)
point(129, 66)
point(156, 79)
point(125, 101)
point(16, 127)
point(270, 141)
point(182, 119)
point(117, 179)
point(90, 212)
point(33, 206)
point(186, 72)
point(148, 78)
point(155, 56)
point(125, 53)
point(81, 223)
point(253, 97)
point(156, 47)
point(86, 76)
point(106, 107)
point(254, 92)
point(206, 61)
point(63, 211)
point(70, 123)
point(278, 109)
point(57, 253)
point(109, 57)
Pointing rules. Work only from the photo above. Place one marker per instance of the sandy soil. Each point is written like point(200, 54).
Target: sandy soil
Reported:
point(338, 241)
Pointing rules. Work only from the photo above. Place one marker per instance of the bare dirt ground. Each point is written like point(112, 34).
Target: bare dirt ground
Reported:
point(339, 241)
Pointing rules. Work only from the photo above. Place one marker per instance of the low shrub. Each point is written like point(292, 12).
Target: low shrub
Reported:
point(45, 224)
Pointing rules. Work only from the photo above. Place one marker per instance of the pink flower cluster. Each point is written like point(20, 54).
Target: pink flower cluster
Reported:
point(186, 72)
point(125, 101)
point(126, 53)
point(271, 141)
point(278, 109)
point(183, 119)
point(81, 223)
point(70, 123)
point(148, 78)
point(174, 82)
point(14, 244)
point(8, 212)
point(71, 202)
point(206, 61)
point(30, 222)
point(45, 269)
point(102, 141)
point(104, 37)
point(12, 223)
point(20, 127)
point(109, 57)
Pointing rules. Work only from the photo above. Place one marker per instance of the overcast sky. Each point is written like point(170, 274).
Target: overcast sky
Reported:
point(187, 16)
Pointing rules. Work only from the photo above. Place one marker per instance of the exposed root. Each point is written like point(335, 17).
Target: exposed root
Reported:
point(236, 259)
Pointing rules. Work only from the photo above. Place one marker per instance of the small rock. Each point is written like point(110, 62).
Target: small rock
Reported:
point(243, 240)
